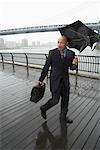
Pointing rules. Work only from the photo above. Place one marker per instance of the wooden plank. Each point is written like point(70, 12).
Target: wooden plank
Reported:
point(85, 133)
point(97, 146)
point(52, 127)
point(23, 133)
point(78, 131)
point(93, 138)
point(74, 125)
point(22, 122)
point(31, 137)
point(30, 113)
point(18, 110)
point(11, 116)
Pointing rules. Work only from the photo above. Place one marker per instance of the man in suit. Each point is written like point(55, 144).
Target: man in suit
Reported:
point(60, 59)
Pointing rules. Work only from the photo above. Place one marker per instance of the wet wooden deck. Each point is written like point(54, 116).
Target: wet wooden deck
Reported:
point(22, 127)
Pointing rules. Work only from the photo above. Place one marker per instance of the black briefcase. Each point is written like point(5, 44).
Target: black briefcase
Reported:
point(37, 93)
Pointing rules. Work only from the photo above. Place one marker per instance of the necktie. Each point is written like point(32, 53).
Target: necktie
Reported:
point(62, 54)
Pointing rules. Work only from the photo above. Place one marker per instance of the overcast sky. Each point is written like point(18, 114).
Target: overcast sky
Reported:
point(23, 13)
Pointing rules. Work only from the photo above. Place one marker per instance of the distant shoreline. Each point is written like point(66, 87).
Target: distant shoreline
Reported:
point(87, 51)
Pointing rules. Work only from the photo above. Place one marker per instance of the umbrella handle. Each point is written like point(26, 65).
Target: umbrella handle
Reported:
point(76, 75)
point(47, 73)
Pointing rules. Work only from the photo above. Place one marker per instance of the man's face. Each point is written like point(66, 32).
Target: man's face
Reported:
point(61, 43)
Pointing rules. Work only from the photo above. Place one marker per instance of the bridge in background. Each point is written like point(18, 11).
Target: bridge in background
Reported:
point(49, 28)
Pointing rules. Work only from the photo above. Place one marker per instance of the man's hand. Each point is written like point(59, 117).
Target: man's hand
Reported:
point(40, 83)
point(75, 60)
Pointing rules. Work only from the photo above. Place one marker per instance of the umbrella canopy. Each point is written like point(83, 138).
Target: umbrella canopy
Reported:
point(79, 35)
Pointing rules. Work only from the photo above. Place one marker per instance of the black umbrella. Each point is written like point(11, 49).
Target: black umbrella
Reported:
point(79, 35)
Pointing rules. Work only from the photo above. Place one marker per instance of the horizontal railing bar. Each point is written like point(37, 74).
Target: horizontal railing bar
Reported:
point(86, 63)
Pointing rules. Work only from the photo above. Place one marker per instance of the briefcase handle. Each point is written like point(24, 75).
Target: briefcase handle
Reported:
point(39, 85)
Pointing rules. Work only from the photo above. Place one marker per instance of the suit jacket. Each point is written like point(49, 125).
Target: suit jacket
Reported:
point(59, 68)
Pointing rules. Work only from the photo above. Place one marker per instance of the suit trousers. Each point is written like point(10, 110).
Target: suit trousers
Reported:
point(63, 92)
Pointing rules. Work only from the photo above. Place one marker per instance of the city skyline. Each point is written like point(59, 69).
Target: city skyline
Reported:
point(24, 43)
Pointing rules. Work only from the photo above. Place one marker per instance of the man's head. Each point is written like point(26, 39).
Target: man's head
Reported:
point(62, 42)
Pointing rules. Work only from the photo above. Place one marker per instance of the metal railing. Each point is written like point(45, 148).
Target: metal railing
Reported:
point(89, 64)
point(85, 63)
point(35, 60)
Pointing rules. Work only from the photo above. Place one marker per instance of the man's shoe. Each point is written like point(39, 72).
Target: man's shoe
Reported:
point(65, 120)
point(68, 120)
point(43, 112)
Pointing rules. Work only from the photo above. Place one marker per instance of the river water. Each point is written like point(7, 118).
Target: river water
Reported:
point(87, 51)
point(92, 65)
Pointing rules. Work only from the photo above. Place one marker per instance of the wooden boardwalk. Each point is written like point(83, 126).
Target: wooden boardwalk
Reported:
point(21, 124)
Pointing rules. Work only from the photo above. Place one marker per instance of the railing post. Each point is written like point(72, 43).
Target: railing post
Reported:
point(2, 61)
point(27, 65)
point(76, 76)
point(47, 73)
point(98, 65)
point(13, 65)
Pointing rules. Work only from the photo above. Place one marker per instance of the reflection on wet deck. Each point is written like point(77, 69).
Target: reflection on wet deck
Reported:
point(22, 127)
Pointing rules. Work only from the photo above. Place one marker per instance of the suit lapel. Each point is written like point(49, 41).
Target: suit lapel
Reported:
point(58, 55)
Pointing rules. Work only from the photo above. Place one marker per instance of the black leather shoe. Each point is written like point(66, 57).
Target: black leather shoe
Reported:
point(68, 120)
point(65, 120)
point(43, 112)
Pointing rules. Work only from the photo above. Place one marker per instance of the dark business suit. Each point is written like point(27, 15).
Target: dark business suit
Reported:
point(59, 78)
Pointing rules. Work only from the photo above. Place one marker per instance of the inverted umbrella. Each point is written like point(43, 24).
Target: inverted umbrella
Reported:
point(79, 35)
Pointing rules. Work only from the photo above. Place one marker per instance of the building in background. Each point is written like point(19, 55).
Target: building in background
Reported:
point(33, 43)
point(38, 44)
point(10, 44)
point(2, 44)
point(24, 43)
